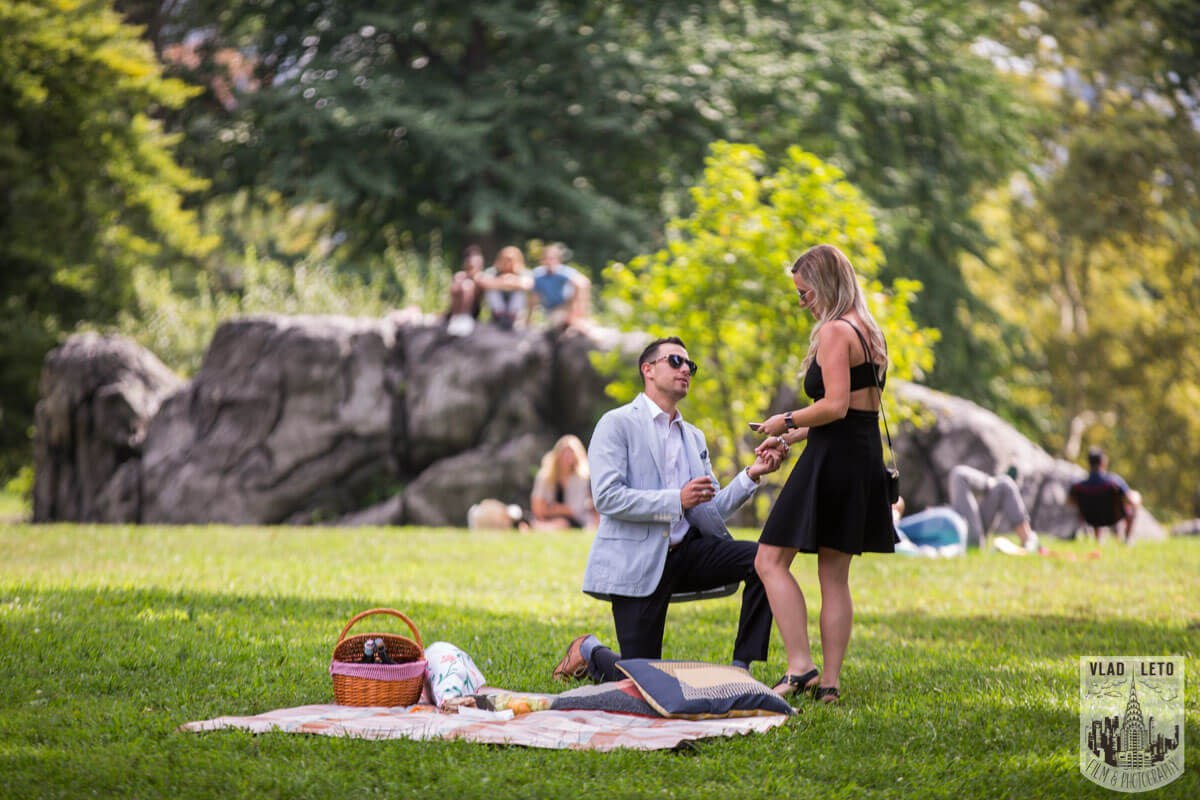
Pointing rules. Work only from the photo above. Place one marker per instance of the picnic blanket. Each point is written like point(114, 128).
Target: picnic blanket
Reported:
point(556, 730)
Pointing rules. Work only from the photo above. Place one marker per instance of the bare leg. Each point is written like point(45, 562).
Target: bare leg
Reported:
point(837, 611)
point(1130, 514)
point(580, 306)
point(462, 294)
point(457, 301)
point(787, 604)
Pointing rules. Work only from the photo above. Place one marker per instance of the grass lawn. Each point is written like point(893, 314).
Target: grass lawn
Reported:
point(962, 679)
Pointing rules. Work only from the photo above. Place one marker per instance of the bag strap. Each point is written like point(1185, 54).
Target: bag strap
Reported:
point(874, 374)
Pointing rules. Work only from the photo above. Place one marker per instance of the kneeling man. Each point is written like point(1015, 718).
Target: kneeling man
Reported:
point(662, 523)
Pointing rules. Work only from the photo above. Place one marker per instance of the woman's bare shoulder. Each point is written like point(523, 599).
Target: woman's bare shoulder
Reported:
point(848, 335)
point(837, 331)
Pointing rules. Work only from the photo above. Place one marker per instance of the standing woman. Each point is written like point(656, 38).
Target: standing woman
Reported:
point(835, 502)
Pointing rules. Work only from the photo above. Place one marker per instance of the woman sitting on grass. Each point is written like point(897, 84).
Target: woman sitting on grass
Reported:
point(562, 490)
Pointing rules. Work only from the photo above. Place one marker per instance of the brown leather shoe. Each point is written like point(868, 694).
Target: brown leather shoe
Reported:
point(573, 664)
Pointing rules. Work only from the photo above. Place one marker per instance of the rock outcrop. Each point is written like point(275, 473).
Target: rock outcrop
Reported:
point(98, 395)
point(310, 419)
point(366, 421)
point(946, 431)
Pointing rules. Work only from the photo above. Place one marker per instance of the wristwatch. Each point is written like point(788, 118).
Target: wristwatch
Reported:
point(787, 418)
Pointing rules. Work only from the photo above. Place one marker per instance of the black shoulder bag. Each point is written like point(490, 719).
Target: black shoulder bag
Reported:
point(891, 475)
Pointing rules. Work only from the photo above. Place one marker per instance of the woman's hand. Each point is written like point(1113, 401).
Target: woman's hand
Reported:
point(776, 445)
point(772, 426)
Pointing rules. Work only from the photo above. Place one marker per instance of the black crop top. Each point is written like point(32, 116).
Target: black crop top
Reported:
point(861, 375)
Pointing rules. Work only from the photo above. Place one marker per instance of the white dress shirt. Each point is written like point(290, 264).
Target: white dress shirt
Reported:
point(674, 461)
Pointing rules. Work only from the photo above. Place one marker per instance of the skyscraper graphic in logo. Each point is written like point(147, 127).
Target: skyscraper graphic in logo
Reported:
point(1131, 721)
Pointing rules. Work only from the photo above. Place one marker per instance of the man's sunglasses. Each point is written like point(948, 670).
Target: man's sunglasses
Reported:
point(677, 361)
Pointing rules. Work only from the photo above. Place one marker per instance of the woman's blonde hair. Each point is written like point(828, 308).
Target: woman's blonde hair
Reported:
point(510, 254)
point(833, 280)
point(548, 471)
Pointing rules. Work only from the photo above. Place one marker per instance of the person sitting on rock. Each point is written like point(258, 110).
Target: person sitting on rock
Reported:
point(507, 285)
point(981, 499)
point(561, 290)
point(562, 490)
point(466, 296)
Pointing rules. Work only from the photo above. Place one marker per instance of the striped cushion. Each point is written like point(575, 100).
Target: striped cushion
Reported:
point(696, 690)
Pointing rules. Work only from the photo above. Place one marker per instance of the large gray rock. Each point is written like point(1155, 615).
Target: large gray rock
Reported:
point(98, 395)
point(362, 421)
point(443, 493)
point(485, 388)
point(947, 431)
point(283, 410)
point(313, 419)
point(389, 512)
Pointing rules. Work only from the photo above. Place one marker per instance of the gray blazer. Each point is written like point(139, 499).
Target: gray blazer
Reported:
point(636, 507)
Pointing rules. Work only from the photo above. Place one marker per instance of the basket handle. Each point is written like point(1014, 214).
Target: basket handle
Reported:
point(390, 611)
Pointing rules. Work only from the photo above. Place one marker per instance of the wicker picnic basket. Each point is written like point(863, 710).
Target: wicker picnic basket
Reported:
point(396, 684)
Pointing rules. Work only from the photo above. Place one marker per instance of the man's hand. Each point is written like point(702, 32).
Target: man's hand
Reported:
point(697, 491)
point(767, 461)
point(773, 444)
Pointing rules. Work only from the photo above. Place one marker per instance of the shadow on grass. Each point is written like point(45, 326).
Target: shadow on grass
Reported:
point(95, 683)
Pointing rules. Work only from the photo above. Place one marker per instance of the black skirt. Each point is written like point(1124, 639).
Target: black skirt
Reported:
point(836, 495)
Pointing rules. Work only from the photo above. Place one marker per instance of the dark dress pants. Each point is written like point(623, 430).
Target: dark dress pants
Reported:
point(699, 562)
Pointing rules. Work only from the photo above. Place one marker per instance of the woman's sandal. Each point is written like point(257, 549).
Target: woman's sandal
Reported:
point(798, 683)
point(826, 694)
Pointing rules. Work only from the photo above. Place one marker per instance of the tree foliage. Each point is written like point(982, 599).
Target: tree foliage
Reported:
point(900, 95)
point(721, 283)
point(586, 122)
point(88, 187)
point(272, 259)
point(493, 122)
point(1097, 261)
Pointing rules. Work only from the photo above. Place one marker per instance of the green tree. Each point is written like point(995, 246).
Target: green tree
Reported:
point(1097, 260)
point(721, 283)
point(901, 95)
point(88, 188)
point(493, 122)
point(271, 259)
point(586, 122)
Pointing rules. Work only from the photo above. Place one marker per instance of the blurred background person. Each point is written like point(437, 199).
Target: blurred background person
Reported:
point(1125, 502)
point(466, 296)
point(562, 490)
point(507, 285)
point(561, 290)
point(939, 531)
point(988, 503)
